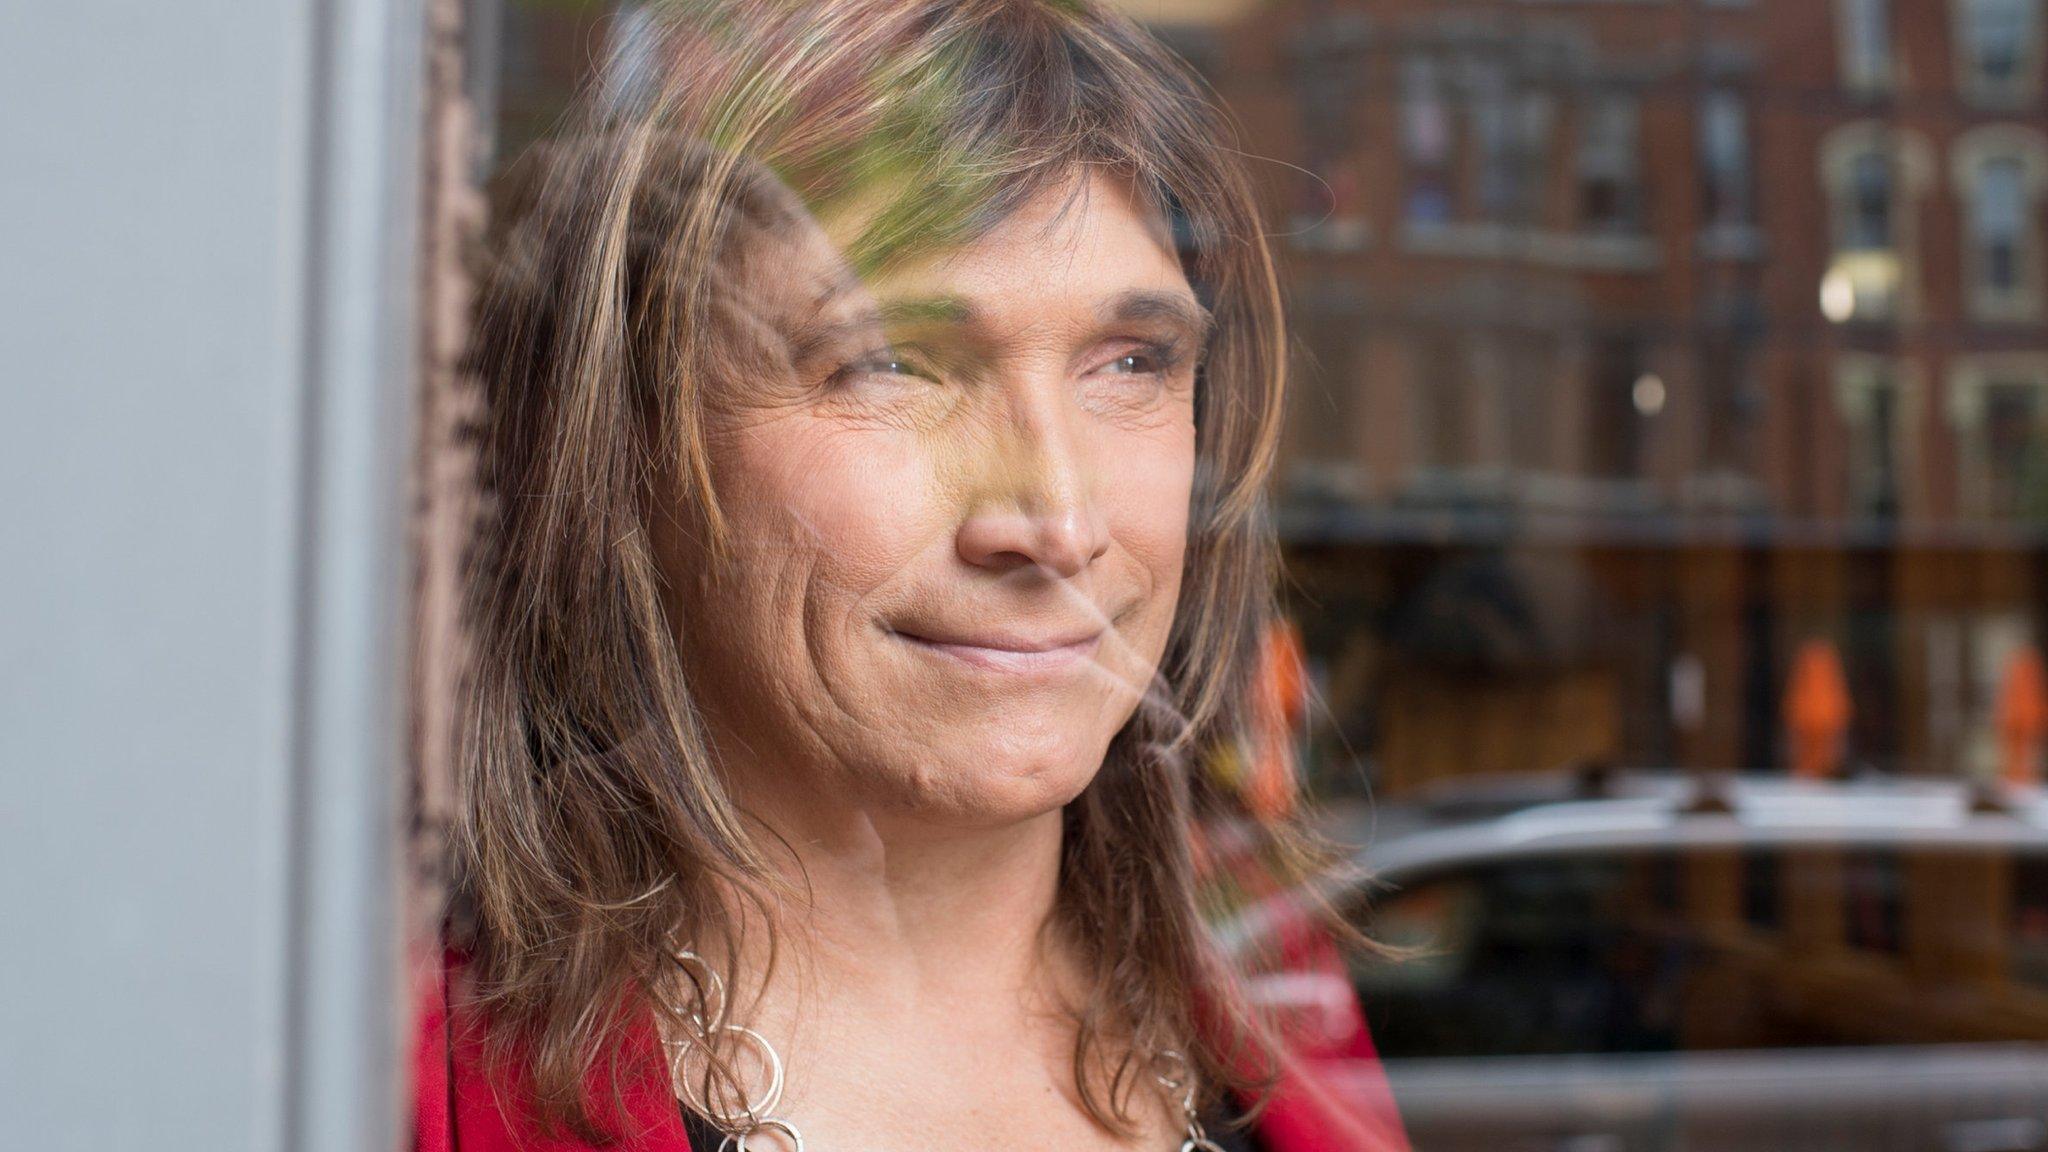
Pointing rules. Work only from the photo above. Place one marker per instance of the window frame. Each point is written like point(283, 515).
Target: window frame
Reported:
point(1857, 377)
point(1970, 382)
point(1972, 153)
point(1911, 162)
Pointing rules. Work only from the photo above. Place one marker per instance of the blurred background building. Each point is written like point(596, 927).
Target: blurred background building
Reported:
point(1643, 345)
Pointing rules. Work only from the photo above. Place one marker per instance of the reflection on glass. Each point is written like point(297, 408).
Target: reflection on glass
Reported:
point(1997, 38)
point(1866, 42)
point(1630, 952)
point(1640, 352)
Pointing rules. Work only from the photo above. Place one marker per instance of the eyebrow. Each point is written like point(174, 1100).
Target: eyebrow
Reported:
point(1150, 305)
point(820, 331)
point(1137, 305)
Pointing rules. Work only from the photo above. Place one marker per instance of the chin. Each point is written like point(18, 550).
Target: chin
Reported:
point(998, 776)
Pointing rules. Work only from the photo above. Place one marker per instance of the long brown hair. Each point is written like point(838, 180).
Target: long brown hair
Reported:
point(596, 829)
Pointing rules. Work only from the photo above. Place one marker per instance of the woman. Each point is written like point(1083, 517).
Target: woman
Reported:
point(881, 394)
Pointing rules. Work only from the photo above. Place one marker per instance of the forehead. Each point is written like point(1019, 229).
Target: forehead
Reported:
point(1087, 239)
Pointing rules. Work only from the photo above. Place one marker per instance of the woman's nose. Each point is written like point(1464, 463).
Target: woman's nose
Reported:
point(1036, 505)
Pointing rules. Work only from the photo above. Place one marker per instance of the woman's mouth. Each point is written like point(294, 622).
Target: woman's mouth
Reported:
point(1007, 652)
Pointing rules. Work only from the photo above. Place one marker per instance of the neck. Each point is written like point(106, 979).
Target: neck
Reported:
point(899, 913)
point(915, 994)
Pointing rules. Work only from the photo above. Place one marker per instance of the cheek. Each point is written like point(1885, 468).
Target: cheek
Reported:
point(1146, 491)
point(838, 511)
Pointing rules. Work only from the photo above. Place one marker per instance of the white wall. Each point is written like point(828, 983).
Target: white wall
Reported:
point(204, 357)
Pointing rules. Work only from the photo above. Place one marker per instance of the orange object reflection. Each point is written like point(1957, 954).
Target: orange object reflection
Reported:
point(1817, 711)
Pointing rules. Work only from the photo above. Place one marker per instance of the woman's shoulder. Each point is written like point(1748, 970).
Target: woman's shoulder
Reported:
point(465, 1101)
point(1331, 1092)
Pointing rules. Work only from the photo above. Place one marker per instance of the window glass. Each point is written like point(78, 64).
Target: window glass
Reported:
point(1493, 131)
point(1866, 41)
point(1763, 889)
point(1996, 37)
point(2000, 222)
point(2030, 922)
point(1608, 154)
point(1426, 142)
point(1328, 212)
point(1545, 957)
point(1691, 951)
point(1621, 394)
point(1871, 191)
point(1873, 176)
point(1642, 418)
point(1872, 898)
point(2015, 418)
point(1594, 391)
point(1724, 159)
point(1874, 408)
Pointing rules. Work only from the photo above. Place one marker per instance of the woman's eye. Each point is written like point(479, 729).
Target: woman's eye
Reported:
point(1148, 361)
point(885, 364)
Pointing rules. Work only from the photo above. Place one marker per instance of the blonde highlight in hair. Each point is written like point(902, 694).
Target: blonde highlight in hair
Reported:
point(596, 830)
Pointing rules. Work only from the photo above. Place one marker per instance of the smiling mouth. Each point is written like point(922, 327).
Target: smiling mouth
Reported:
point(1011, 654)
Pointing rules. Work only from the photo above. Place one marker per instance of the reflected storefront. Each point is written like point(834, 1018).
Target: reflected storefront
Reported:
point(1642, 348)
point(1670, 400)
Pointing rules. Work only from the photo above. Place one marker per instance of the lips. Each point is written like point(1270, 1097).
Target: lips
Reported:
point(1006, 651)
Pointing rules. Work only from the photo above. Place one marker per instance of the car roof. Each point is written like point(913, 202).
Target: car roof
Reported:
point(1491, 820)
point(1562, 813)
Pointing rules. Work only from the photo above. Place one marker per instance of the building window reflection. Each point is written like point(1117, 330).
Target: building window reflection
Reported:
point(1999, 173)
point(1874, 176)
point(1328, 387)
point(1728, 405)
point(1511, 128)
point(1610, 193)
point(1876, 398)
point(1998, 50)
point(1869, 226)
point(1426, 144)
point(1998, 406)
point(1997, 211)
point(1621, 387)
point(1530, 384)
point(1444, 404)
point(1864, 40)
point(1726, 180)
point(1328, 66)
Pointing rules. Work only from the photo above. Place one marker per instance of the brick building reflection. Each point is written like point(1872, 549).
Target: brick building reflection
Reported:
point(1643, 347)
point(1641, 343)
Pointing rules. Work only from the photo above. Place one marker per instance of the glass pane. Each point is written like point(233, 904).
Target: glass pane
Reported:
point(1997, 34)
point(1631, 953)
point(1871, 192)
point(1608, 155)
point(1724, 158)
point(2001, 201)
point(1868, 35)
point(1639, 431)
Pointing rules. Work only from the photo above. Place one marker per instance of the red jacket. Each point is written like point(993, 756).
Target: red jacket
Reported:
point(460, 1109)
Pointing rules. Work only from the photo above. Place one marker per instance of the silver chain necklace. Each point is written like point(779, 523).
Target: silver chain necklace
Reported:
point(753, 1117)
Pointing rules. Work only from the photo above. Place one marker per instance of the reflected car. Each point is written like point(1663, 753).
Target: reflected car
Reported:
point(1657, 963)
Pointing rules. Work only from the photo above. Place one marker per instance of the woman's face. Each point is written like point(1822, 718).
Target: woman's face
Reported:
point(957, 502)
